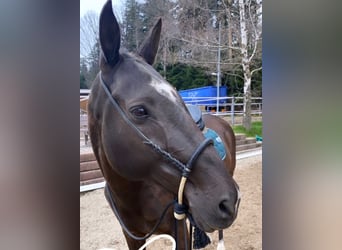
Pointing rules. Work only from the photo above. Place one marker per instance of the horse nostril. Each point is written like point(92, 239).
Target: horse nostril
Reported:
point(226, 209)
point(223, 207)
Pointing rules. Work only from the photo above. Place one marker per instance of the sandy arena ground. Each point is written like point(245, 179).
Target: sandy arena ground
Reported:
point(100, 229)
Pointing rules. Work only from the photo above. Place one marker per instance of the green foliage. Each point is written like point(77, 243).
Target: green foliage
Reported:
point(129, 25)
point(83, 84)
point(89, 66)
point(83, 74)
point(256, 129)
point(257, 79)
point(234, 80)
point(184, 76)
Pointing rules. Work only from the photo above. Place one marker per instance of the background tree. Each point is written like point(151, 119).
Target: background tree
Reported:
point(83, 74)
point(89, 32)
point(131, 26)
point(189, 44)
point(249, 43)
point(185, 76)
point(89, 48)
point(240, 43)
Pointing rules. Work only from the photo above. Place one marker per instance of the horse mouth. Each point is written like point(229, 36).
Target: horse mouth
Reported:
point(204, 225)
point(210, 225)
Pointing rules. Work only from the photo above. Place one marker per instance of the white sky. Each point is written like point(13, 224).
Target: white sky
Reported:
point(96, 5)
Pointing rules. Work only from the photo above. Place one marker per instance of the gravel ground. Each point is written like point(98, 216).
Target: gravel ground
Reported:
point(100, 229)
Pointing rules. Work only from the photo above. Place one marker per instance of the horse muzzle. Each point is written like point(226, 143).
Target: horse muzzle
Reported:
point(217, 212)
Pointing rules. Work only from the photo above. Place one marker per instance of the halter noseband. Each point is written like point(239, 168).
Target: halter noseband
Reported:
point(180, 208)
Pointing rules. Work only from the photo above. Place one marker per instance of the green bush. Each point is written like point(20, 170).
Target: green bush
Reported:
point(184, 76)
point(256, 129)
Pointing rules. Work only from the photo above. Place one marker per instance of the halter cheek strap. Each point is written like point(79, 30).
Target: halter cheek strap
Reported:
point(180, 210)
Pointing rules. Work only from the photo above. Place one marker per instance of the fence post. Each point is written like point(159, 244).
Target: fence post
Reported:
point(232, 109)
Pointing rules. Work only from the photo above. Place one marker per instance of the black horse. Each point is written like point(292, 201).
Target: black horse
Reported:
point(146, 143)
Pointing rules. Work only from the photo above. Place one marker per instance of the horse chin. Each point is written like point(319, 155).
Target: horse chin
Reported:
point(204, 227)
point(208, 223)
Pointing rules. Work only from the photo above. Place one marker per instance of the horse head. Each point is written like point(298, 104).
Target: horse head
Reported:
point(149, 107)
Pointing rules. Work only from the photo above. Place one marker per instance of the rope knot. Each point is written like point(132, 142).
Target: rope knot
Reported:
point(186, 172)
point(180, 210)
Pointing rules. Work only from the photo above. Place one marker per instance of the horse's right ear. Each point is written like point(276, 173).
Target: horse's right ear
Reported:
point(149, 47)
point(109, 34)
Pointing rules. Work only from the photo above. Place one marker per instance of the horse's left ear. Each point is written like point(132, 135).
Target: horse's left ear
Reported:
point(148, 49)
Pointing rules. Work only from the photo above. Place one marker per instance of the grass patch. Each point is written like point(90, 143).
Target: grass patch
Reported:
point(256, 129)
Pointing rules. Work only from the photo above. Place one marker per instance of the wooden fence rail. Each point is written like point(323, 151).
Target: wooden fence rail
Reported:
point(89, 169)
point(90, 172)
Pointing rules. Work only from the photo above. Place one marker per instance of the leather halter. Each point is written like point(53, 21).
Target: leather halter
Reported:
point(185, 169)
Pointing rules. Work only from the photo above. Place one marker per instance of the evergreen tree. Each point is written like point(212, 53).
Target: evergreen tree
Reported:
point(184, 76)
point(131, 32)
point(89, 66)
point(83, 73)
point(83, 82)
point(93, 63)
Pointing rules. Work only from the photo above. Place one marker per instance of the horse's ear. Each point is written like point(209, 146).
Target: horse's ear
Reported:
point(148, 49)
point(109, 34)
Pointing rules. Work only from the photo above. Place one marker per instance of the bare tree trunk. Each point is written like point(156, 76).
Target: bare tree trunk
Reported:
point(259, 17)
point(247, 120)
point(247, 100)
point(229, 33)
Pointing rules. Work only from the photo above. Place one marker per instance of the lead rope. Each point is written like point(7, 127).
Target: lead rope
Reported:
point(180, 209)
point(169, 237)
point(116, 212)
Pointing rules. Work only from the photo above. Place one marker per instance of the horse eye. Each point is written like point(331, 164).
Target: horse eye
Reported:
point(139, 112)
